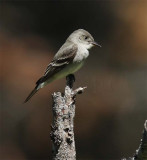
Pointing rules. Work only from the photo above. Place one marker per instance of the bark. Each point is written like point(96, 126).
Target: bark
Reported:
point(141, 153)
point(62, 129)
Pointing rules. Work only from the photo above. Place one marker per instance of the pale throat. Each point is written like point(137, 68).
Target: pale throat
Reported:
point(82, 53)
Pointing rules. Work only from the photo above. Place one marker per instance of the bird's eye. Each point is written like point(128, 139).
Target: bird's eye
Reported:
point(83, 37)
point(86, 37)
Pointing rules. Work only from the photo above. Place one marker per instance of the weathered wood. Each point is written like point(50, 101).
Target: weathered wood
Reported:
point(62, 129)
point(141, 153)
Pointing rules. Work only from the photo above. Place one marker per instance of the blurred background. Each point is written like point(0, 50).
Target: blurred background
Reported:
point(110, 114)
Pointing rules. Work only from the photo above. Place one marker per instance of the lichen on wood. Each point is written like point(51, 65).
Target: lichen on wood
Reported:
point(62, 129)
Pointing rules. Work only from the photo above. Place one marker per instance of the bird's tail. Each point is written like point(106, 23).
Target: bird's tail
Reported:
point(31, 94)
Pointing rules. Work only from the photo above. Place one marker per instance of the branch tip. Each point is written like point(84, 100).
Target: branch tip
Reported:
point(145, 126)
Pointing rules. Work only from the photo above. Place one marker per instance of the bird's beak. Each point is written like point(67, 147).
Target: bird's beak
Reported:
point(96, 44)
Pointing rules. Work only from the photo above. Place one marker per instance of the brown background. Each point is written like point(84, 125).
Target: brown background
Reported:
point(110, 114)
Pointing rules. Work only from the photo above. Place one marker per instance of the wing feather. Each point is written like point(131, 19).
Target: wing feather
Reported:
point(58, 63)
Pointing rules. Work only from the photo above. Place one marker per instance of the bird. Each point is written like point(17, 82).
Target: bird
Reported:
point(69, 59)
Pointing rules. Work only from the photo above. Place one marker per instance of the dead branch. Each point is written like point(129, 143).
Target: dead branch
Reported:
point(62, 129)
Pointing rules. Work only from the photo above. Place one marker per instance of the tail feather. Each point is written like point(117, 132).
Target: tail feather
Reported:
point(31, 94)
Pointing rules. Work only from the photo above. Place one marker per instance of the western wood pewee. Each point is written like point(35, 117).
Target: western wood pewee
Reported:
point(69, 59)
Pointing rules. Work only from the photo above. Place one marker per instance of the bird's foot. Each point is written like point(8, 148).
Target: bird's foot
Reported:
point(71, 77)
point(70, 80)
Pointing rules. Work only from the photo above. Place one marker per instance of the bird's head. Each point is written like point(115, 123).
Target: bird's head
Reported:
point(83, 38)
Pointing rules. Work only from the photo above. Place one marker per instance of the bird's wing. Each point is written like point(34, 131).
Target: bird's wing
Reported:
point(64, 58)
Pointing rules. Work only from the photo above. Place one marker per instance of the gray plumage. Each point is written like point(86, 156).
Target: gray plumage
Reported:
point(70, 58)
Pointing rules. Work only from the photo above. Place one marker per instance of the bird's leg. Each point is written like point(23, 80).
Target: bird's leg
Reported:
point(70, 80)
point(72, 77)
